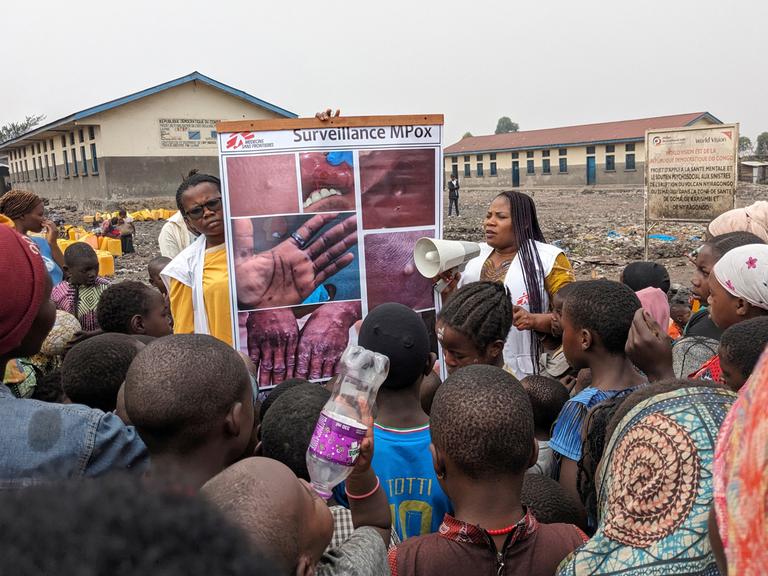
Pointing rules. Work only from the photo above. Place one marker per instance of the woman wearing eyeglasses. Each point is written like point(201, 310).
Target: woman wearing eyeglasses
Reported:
point(198, 279)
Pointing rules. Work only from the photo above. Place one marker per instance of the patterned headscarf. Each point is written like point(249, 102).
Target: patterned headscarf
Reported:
point(753, 219)
point(743, 272)
point(655, 491)
point(16, 203)
point(741, 477)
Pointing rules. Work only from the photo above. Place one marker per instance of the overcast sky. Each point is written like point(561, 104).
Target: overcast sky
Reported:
point(544, 64)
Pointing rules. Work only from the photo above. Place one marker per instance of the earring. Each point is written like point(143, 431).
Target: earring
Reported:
point(440, 475)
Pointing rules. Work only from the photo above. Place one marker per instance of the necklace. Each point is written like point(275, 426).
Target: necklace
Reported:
point(502, 531)
point(496, 273)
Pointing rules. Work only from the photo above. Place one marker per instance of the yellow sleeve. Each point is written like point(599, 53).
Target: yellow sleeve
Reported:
point(560, 275)
point(181, 308)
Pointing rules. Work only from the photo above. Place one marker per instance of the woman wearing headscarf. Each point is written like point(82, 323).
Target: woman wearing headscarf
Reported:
point(27, 212)
point(740, 486)
point(654, 488)
point(753, 218)
point(516, 254)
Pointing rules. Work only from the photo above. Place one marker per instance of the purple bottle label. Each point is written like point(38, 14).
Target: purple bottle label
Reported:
point(336, 441)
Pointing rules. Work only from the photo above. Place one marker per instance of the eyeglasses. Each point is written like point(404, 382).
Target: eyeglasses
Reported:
point(214, 205)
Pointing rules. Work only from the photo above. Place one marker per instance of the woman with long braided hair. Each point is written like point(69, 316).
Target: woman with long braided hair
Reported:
point(27, 212)
point(516, 254)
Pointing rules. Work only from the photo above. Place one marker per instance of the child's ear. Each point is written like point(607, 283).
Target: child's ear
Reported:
point(495, 349)
point(233, 419)
point(430, 363)
point(585, 339)
point(743, 307)
point(534, 454)
point(137, 324)
point(438, 463)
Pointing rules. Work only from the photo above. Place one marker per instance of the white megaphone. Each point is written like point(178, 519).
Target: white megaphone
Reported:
point(433, 257)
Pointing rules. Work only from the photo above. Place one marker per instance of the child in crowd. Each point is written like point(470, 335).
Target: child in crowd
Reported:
point(593, 434)
point(401, 431)
point(642, 274)
point(700, 323)
point(129, 530)
point(547, 396)
point(132, 307)
point(79, 294)
point(45, 442)
point(596, 319)
point(655, 488)
point(154, 268)
point(94, 369)
point(482, 444)
point(190, 398)
point(49, 388)
point(127, 229)
point(285, 518)
point(737, 291)
point(679, 312)
point(740, 349)
point(473, 325)
point(285, 435)
point(550, 503)
point(553, 362)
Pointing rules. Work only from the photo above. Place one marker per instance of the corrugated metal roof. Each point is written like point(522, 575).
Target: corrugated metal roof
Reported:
point(194, 76)
point(625, 130)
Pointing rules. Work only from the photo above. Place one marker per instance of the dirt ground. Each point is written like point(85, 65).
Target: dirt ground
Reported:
point(599, 230)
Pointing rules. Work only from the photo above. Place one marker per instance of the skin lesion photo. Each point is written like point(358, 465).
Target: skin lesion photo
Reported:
point(261, 185)
point(296, 259)
point(397, 188)
point(299, 342)
point(327, 181)
point(390, 272)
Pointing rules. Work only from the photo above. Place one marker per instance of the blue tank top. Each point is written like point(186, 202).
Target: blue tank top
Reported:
point(403, 463)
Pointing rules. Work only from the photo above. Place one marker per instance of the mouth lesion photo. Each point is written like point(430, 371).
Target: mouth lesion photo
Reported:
point(327, 181)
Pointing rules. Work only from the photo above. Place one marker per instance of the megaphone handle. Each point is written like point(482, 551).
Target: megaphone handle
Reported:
point(440, 285)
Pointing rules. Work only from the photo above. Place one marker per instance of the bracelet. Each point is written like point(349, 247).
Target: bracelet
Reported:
point(364, 496)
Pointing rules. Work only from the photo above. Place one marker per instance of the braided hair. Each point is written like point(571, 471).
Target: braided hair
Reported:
point(193, 179)
point(527, 232)
point(592, 448)
point(482, 311)
point(18, 203)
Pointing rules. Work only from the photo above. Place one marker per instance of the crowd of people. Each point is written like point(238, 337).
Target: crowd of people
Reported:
point(584, 427)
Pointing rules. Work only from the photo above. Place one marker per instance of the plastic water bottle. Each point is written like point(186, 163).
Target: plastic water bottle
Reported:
point(340, 430)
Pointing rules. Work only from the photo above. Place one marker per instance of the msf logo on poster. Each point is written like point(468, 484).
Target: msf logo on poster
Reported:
point(238, 140)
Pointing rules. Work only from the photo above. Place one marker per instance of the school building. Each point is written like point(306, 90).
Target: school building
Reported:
point(139, 145)
point(605, 154)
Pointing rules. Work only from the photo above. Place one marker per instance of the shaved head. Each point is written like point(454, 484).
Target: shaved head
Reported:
point(277, 512)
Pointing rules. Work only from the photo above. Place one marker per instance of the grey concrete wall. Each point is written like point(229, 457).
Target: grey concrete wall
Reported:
point(136, 176)
point(122, 178)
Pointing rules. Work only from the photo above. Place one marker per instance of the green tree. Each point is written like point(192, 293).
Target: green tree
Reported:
point(505, 125)
point(761, 147)
point(745, 145)
point(467, 135)
point(16, 129)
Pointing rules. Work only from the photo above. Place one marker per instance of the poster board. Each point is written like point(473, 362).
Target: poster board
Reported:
point(690, 173)
point(321, 218)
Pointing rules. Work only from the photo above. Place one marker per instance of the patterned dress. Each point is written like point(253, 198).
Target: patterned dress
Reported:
point(741, 477)
point(80, 301)
point(655, 491)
